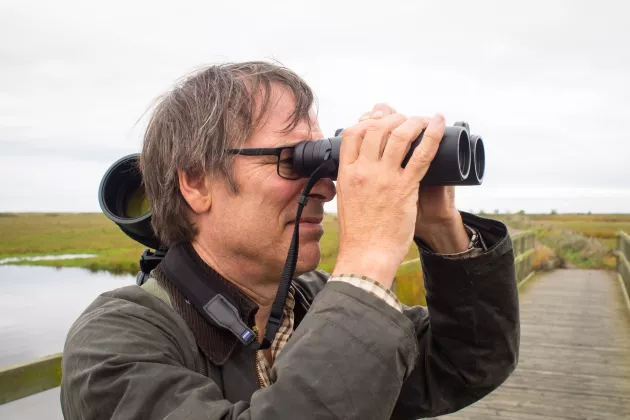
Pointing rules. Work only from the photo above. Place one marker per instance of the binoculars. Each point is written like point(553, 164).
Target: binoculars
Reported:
point(460, 160)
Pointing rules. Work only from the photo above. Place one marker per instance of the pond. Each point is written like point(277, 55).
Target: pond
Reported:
point(46, 258)
point(39, 304)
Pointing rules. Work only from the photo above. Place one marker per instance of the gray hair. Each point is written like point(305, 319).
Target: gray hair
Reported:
point(194, 124)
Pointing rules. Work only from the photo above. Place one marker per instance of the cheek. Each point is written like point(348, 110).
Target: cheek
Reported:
point(281, 193)
point(263, 192)
point(273, 199)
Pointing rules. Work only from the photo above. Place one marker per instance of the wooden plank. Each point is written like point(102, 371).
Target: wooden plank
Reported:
point(574, 361)
point(550, 404)
point(557, 403)
point(576, 354)
point(544, 363)
point(564, 339)
point(29, 378)
point(477, 412)
point(577, 383)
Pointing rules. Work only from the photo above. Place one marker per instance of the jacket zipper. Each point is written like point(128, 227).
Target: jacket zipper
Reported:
point(260, 381)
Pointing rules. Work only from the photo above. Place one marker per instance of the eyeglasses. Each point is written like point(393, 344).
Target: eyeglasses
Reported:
point(284, 159)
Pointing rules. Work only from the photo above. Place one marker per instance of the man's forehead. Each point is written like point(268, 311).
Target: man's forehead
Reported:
point(272, 132)
point(275, 135)
point(297, 136)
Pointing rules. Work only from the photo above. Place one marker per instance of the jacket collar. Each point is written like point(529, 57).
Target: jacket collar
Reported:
point(216, 343)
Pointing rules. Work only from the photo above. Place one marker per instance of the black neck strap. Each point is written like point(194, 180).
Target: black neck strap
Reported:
point(277, 309)
point(210, 302)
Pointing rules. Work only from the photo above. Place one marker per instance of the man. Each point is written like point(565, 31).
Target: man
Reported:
point(346, 347)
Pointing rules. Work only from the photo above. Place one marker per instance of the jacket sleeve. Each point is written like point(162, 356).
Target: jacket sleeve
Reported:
point(128, 359)
point(468, 335)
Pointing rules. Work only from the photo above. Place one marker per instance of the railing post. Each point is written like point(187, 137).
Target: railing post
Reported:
point(620, 251)
point(524, 244)
point(623, 263)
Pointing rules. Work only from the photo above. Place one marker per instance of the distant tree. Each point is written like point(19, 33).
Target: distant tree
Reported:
point(482, 212)
point(521, 212)
point(554, 211)
point(496, 211)
point(589, 213)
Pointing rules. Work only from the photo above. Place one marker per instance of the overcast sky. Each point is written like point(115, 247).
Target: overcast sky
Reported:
point(546, 83)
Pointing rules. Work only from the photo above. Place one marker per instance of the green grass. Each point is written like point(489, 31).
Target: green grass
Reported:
point(583, 240)
point(55, 234)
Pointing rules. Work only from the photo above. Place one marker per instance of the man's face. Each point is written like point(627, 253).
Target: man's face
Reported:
point(256, 224)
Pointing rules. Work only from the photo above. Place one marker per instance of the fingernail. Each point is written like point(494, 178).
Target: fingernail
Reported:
point(436, 119)
point(377, 114)
point(363, 118)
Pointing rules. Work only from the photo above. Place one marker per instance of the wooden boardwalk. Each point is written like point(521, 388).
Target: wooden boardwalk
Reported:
point(575, 353)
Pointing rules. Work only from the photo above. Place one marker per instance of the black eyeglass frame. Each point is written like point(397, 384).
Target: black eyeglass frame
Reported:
point(266, 151)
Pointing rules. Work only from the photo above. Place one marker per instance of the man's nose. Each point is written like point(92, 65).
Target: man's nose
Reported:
point(324, 190)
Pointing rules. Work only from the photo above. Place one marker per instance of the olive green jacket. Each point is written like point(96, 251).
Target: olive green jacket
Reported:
point(131, 355)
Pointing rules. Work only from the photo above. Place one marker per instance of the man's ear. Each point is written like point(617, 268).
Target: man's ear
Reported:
point(196, 191)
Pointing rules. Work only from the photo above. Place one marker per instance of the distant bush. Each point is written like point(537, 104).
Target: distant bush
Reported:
point(545, 258)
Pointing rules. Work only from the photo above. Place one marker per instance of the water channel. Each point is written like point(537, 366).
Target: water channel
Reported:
point(37, 307)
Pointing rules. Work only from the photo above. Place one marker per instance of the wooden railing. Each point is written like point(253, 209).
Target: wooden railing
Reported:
point(623, 264)
point(35, 376)
point(29, 378)
point(524, 244)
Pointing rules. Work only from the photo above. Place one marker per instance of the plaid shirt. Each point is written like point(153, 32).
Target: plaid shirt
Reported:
point(371, 286)
point(286, 328)
point(282, 336)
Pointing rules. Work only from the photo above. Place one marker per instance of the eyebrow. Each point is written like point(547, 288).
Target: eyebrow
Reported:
point(288, 143)
point(308, 136)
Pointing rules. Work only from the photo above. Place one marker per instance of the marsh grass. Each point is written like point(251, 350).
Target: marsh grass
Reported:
point(581, 240)
point(56, 234)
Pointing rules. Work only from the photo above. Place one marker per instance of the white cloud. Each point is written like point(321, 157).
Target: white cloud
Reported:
point(544, 83)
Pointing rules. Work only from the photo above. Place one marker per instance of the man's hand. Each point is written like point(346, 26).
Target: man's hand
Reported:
point(438, 223)
point(377, 199)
